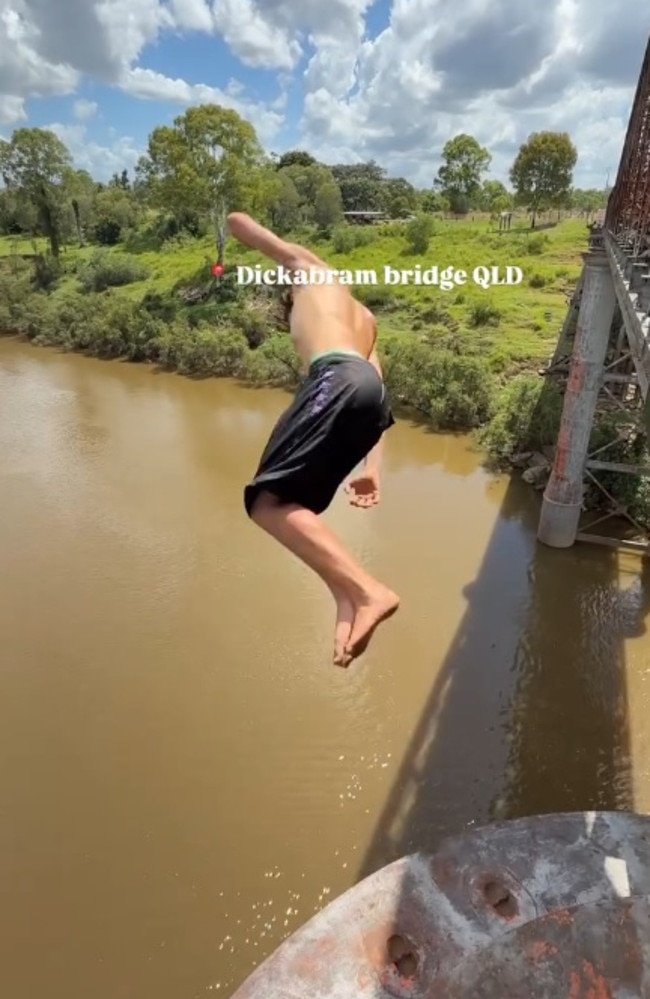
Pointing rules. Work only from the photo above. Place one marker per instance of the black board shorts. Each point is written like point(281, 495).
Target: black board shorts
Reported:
point(338, 415)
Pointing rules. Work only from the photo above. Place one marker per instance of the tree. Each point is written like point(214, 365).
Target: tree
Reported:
point(120, 180)
point(418, 233)
point(308, 181)
point(399, 197)
point(318, 195)
point(114, 213)
point(17, 215)
point(328, 206)
point(542, 173)
point(262, 191)
point(361, 186)
point(80, 188)
point(295, 157)
point(588, 201)
point(205, 164)
point(285, 208)
point(34, 164)
point(494, 197)
point(459, 177)
point(431, 201)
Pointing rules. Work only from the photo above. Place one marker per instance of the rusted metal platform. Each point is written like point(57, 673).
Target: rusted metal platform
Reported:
point(551, 907)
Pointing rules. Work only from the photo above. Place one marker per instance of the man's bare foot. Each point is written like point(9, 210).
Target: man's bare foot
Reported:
point(343, 629)
point(378, 606)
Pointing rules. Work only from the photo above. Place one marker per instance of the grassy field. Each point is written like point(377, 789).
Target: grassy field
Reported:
point(518, 326)
point(466, 359)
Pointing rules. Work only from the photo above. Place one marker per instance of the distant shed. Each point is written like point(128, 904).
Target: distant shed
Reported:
point(365, 218)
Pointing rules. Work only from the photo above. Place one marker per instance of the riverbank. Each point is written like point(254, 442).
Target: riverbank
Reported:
point(515, 327)
point(464, 360)
point(455, 357)
point(461, 359)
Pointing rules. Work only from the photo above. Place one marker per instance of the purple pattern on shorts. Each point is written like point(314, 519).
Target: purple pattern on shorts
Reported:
point(322, 395)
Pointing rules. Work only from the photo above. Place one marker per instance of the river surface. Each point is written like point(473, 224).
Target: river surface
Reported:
point(184, 776)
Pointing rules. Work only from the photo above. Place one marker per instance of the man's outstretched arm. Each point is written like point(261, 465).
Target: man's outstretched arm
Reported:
point(257, 237)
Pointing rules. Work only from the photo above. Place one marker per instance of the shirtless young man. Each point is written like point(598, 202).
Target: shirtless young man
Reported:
point(336, 420)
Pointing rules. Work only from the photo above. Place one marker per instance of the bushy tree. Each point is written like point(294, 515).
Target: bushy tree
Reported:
point(542, 173)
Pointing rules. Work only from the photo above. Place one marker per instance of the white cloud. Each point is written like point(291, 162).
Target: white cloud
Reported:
point(24, 70)
point(256, 38)
point(84, 110)
point(498, 69)
point(147, 84)
point(100, 161)
point(193, 15)
point(276, 34)
point(129, 26)
point(45, 54)
point(12, 110)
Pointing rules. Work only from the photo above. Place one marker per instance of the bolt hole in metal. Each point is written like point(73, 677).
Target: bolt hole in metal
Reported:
point(501, 899)
point(402, 954)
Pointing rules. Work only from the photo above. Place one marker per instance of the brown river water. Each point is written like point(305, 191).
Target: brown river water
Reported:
point(184, 777)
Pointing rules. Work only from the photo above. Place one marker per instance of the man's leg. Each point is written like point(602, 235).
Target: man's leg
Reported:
point(305, 535)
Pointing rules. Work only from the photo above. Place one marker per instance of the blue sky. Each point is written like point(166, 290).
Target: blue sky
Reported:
point(350, 80)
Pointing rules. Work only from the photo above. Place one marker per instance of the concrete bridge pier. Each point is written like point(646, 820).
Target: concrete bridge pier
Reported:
point(562, 503)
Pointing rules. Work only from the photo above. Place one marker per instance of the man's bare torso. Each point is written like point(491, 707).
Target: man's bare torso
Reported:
point(326, 317)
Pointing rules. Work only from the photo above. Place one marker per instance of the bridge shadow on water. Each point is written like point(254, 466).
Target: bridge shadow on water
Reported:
point(529, 710)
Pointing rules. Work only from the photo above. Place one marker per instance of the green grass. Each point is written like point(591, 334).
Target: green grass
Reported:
point(516, 326)
point(448, 356)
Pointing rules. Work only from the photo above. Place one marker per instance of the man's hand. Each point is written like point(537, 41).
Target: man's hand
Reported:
point(363, 490)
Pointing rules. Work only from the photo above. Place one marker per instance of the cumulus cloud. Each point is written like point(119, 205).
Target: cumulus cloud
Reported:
point(147, 84)
point(498, 69)
point(99, 160)
point(25, 68)
point(12, 109)
point(612, 40)
point(254, 37)
point(83, 110)
point(276, 34)
point(192, 15)
point(49, 46)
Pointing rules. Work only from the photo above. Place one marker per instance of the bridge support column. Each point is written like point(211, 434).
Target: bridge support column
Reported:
point(562, 503)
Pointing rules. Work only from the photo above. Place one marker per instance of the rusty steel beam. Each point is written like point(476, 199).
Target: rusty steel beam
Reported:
point(636, 320)
point(564, 494)
point(628, 208)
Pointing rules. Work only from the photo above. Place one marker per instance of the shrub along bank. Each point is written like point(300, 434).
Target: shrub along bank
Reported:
point(451, 388)
point(462, 360)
